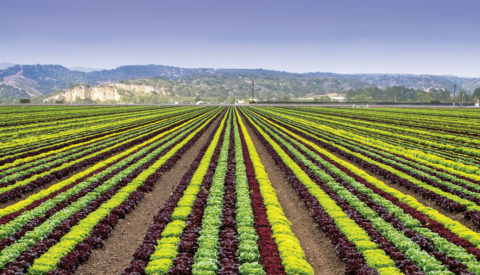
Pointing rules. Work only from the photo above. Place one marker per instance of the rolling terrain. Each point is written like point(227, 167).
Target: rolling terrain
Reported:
point(40, 81)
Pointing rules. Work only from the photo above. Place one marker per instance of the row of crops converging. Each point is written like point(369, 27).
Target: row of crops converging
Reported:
point(395, 191)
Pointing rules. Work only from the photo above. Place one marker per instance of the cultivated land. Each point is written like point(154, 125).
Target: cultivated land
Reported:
point(250, 190)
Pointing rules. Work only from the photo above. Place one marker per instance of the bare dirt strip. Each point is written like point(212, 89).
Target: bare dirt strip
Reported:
point(128, 234)
point(318, 249)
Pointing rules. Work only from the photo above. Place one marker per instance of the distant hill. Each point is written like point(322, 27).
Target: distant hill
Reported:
point(37, 80)
point(20, 81)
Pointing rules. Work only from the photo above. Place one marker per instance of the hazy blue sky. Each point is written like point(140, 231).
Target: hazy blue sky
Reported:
point(344, 36)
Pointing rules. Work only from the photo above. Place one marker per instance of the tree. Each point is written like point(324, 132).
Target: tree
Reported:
point(284, 97)
point(322, 99)
point(476, 93)
point(361, 98)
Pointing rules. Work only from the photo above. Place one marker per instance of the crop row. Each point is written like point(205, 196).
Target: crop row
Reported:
point(223, 217)
point(57, 227)
point(36, 171)
point(81, 174)
point(443, 182)
point(391, 231)
point(450, 146)
point(34, 143)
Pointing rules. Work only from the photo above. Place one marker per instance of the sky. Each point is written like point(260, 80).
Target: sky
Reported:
point(342, 36)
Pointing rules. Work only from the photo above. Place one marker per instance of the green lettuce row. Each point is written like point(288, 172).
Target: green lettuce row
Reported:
point(27, 143)
point(457, 228)
point(411, 250)
point(291, 253)
point(80, 131)
point(49, 260)
point(206, 256)
point(373, 136)
point(453, 166)
point(420, 169)
point(440, 243)
point(66, 124)
point(79, 151)
point(166, 248)
point(374, 256)
point(453, 148)
point(445, 153)
point(40, 232)
point(406, 119)
point(419, 117)
point(32, 158)
point(44, 193)
point(247, 251)
point(67, 164)
point(8, 229)
point(441, 137)
point(395, 160)
point(469, 204)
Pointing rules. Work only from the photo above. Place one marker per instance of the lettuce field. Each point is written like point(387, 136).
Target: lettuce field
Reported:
point(239, 190)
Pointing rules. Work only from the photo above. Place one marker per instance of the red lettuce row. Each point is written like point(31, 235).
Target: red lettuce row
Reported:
point(400, 260)
point(188, 244)
point(73, 220)
point(38, 220)
point(344, 248)
point(427, 179)
point(103, 228)
point(18, 191)
point(269, 255)
point(422, 172)
point(38, 166)
point(132, 156)
point(425, 221)
point(440, 200)
point(57, 146)
point(404, 264)
point(167, 245)
point(100, 170)
point(60, 142)
point(163, 217)
point(228, 260)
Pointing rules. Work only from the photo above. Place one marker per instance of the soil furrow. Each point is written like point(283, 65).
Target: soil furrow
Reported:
point(318, 249)
point(128, 234)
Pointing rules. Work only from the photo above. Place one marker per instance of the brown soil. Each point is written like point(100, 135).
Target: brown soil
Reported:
point(128, 234)
point(318, 249)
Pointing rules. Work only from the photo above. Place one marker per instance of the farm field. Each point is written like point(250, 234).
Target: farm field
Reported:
point(239, 190)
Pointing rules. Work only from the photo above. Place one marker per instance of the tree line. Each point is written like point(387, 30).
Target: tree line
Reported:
point(404, 94)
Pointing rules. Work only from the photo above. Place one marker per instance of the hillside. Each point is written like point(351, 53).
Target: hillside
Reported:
point(21, 81)
point(110, 93)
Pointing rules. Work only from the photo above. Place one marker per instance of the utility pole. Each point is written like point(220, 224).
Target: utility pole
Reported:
point(252, 99)
point(454, 88)
point(253, 89)
point(463, 97)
